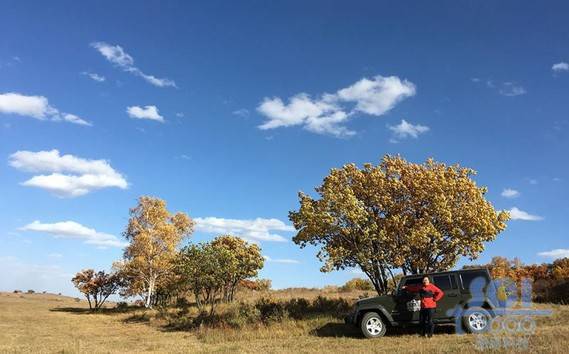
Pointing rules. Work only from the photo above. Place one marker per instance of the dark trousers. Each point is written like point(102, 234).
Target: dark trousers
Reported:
point(426, 321)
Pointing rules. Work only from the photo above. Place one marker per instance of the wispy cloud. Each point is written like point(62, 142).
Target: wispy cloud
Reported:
point(517, 214)
point(511, 89)
point(506, 88)
point(94, 76)
point(244, 113)
point(560, 67)
point(556, 253)
point(405, 130)
point(69, 176)
point(37, 107)
point(258, 229)
point(328, 113)
point(116, 55)
point(510, 193)
point(146, 112)
point(74, 230)
point(281, 260)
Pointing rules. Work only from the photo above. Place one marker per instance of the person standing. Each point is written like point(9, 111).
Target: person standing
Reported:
point(429, 294)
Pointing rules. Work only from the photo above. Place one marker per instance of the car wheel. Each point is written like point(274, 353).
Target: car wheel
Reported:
point(476, 320)
point(372, 325)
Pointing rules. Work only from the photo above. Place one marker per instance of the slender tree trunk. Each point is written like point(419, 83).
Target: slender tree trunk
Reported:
point(149, 294)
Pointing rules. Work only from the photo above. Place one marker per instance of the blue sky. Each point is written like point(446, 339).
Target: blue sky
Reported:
point(227, 109)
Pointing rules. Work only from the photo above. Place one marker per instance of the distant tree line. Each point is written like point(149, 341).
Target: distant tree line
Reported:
point(550, 281)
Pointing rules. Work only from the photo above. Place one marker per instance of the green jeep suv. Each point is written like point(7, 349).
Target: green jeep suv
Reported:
point(469, 302)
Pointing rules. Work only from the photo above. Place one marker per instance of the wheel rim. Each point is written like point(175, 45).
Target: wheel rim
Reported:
point(374, 326)
point(477, 321)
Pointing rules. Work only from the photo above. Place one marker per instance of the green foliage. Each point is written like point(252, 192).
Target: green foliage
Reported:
point(205, 268)
point(246, 261)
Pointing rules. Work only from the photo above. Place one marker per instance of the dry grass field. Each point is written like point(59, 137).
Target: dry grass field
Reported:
point(43, 323)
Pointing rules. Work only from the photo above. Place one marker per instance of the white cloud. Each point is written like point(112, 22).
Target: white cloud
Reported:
point(510, 89)
point(94, 76)
point(555, 254)
point(328, 113)
point(116, 55)
point(148, 112)
point(36, 107)
point(379, 95)
point(74, 230)
point(510, 193)
point(517, 214)
point(281, 260)
point(559, 67)
point(72, 118)
point(405, 130)
point(70, 176)
point(258, 229)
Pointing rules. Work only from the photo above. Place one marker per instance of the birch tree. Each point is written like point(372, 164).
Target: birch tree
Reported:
point(154, 235)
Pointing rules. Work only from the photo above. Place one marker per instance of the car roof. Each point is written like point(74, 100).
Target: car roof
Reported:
point(478, 269)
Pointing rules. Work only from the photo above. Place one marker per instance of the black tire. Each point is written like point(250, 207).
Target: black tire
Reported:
point(476, 320)
point(372, 325)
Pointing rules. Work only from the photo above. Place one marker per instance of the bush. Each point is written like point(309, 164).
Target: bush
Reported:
point(270, 310)
point(333, 307)
point(17, 291)
point(357, 284)
point(297, 308)
point(242, 314)
point(121, 306)
point(31, 291)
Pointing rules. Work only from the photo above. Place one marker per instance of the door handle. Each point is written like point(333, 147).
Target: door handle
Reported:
point(452, 295)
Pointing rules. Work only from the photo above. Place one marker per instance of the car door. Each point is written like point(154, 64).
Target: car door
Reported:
point(449, 285)
point(400, 313)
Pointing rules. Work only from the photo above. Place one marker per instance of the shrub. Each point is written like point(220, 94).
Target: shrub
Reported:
point(31, 291)
point(121, 306)
point(270, 310)
point(242, 314)
point(17, 291)
point(297, 308)
point(333, 307)
point(357, 284)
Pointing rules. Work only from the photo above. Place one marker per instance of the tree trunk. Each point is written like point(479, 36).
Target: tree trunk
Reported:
point(149, 294)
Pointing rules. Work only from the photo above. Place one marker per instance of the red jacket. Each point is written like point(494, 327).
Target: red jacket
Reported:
point(430, 294)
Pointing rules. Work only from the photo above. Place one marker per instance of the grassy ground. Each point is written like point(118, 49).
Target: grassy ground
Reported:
point(42, 323)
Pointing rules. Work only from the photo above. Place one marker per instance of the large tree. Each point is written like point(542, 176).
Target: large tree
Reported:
point(154, 235)
point(397, 215)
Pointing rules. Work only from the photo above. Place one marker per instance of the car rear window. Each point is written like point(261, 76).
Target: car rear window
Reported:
point(413, 281)
point(474, 281)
